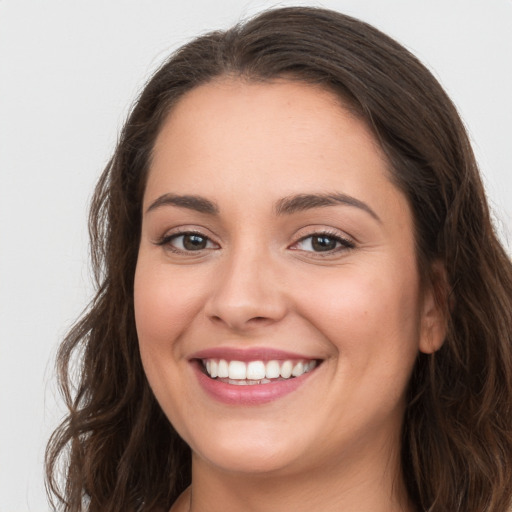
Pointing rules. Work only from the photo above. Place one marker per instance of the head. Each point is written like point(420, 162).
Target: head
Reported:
point(460, 383)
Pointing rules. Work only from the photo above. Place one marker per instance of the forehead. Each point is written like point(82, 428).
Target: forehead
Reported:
point(235, 110)
point(280, 138)
point(209, 107)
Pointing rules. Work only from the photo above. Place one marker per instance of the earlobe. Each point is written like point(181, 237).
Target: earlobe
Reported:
point(435, 311)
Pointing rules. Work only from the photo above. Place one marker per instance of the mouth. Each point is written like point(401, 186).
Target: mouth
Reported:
point(257, 372)
point(252, 376)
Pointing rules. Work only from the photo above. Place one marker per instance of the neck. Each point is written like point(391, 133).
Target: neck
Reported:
point(360, 485)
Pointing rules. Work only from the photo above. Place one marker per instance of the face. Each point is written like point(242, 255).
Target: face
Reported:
point(277, 295)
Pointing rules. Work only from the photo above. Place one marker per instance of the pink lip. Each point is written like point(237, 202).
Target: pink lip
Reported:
point(246, 395)
point(248, 354)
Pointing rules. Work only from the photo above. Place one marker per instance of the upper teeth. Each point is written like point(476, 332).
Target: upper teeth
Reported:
point(256, 370)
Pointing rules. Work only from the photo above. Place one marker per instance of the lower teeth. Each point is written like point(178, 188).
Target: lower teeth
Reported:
point(249, 382)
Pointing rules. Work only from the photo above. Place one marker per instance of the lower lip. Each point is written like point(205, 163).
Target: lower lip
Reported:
point(254, 394)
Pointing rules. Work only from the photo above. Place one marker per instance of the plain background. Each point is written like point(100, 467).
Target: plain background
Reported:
point(69, 71)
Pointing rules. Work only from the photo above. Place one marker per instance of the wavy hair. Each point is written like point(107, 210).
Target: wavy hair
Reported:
point(117, 450)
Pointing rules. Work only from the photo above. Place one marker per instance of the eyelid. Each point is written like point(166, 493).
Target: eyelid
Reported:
point(170, 235)
point(343, 241)
point(347, 243)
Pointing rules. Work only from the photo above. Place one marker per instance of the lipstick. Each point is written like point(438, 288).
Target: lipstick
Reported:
point(250, 376)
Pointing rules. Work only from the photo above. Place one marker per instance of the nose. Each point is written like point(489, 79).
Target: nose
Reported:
point(247, 293)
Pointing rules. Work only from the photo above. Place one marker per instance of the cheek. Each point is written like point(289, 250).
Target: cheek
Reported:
point(165, 304)
point(372, 318)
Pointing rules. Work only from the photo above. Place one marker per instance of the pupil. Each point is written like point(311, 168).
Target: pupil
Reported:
point(194, 242)
point(323, 243)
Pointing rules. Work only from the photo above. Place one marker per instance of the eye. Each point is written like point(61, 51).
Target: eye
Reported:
point(187, 242)
point(323, 242)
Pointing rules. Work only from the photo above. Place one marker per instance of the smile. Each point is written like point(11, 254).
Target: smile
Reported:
point(250, 373)
point(248, 377)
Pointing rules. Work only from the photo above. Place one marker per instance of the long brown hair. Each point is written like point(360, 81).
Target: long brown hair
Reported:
point(118, 450)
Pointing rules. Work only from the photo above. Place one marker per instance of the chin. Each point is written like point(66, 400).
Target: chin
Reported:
point(250, 462)
point(249, 453)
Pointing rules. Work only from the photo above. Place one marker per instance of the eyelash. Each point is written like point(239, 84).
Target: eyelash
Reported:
point(167, 239)
point(344, 243)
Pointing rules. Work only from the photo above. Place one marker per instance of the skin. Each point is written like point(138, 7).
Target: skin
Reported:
point(333, 444)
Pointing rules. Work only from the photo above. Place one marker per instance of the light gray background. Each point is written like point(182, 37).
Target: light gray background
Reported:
point(68, 73)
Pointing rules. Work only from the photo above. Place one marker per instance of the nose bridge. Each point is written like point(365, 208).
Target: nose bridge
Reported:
point(247, 291)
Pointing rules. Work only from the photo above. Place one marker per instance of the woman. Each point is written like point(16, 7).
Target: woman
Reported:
point(302, 304)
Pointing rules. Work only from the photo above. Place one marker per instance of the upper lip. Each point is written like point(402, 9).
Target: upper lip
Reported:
point(248, 354)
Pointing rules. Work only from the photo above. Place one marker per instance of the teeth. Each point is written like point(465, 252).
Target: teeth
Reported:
point(298, 370)
point(286, 369)
point(214, 368)
point(223, 371)
point(272, 370)
point(237, 370)
point(308, 367)
point(256, 372)
point(247, 382)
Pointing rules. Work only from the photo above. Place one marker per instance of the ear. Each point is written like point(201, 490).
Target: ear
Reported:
point(435, 310)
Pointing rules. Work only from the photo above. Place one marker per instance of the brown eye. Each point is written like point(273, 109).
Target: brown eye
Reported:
point(194, 242)
point(187, 242)
point(323, 243)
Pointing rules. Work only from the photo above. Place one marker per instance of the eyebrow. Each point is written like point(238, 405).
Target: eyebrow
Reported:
point(285, 206)
point(301, 202)
point(197, 203)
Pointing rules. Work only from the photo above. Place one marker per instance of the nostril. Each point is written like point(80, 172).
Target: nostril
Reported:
point(240, 324)
point(258, 321)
